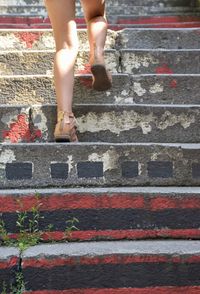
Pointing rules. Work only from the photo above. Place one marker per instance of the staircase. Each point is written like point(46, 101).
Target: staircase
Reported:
point(132, 181)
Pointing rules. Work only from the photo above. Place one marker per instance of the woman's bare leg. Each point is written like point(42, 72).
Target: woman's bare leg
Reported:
point(94, 11)
point(62, 15)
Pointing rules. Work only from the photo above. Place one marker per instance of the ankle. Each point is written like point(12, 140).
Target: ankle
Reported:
point(97, 55)
point(65, 116)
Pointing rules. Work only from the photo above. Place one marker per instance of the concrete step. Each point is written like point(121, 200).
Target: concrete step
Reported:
point(157, 39)
point(101, 164)
point(42, 40)
point(160, 61)
point(134, 19)
point(158, 3)
point(115, 8)
point(41, 62)
point(123, 61)
point(9, 262)
point(127, 89)
point(106, 123)
point(14, 40)
point(115, 22)
point(113, 267)
point(107, 213)
point(115, 27)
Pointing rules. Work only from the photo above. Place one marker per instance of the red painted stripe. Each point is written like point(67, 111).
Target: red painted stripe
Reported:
point(177, 25)
point(158, 19)
point(13, 261)
point(120, 234)
point(112, 259)
point(53, 202)
point(31, 20)
point(70, 201)
point(149, 290)
point(159, 203)
point(111, 27)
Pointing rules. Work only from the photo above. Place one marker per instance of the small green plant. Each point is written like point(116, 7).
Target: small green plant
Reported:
point(28, 226)
point(5, 239)
point(4, 288)
point(28, 235)
point(70, 226)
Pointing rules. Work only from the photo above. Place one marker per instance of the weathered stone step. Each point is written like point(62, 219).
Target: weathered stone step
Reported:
point(106, 123)
point(160, 61)
point(12, 40)
point(118, 21)
point(144, 89)
point(9, 262)
point(41, 62)
point(158, 39)
point(115, 27)
point(101, 164)
point(124, 61)
point(13, 23)
point(111, 9)
point(42, 39)
point(134, 19)
point(107, 213)
point(158, 3)
point(113, 267)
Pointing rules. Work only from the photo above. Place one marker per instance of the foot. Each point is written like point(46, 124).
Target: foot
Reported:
point(65, 130)
point(102, 79)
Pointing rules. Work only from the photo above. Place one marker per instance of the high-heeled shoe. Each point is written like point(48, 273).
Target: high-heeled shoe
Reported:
point(65, 130)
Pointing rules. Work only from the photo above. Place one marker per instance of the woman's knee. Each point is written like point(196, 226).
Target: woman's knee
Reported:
point(66, 39)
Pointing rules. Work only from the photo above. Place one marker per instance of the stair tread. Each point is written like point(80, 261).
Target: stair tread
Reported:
point(98, 190)
point(181, 247)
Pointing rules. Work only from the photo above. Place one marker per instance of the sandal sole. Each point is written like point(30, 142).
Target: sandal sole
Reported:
point(102, 80)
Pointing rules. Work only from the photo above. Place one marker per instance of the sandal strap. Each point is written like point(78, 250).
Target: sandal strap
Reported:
point(62, 114)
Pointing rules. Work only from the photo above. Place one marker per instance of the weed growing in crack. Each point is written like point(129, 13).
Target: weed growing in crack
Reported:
point(28, 226)
point(70, 227)
point(28, 235)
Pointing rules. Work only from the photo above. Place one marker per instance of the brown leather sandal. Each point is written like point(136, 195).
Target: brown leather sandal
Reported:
point(102, 79)
point(65, 130)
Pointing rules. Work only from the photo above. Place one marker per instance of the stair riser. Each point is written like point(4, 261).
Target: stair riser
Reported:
point(133, 271)
point(98, 123)
point(133, 62)
point(135, 39)
point(108, 216)
point(113, 276)
point(9, 261)
point(119, 9)
point(98, 165)
point(42, 63)
point(43, 40)
point(126, 89)
point(166, 62)
point(114, 27)
point(162, 39)
point(165, 3)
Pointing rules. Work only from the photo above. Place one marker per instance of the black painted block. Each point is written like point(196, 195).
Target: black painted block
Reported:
point(196, 170)
point(129, 169)
point(89, 169)
point(160, 169)
point(19, 171)
point(59, 170)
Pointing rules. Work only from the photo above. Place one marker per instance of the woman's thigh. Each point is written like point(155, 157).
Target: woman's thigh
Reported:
point(62, 17)
point(93, 8)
